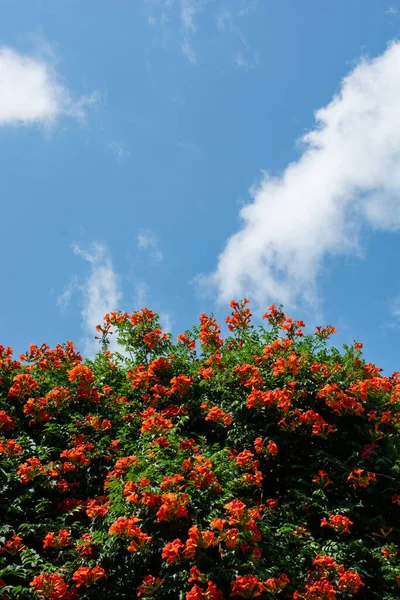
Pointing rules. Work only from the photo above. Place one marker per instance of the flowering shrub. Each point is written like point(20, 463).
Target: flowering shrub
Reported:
point(263, 465)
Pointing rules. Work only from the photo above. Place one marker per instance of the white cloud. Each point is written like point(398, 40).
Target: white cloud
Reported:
point(395, 309)
point(187, 50)
point(346, 178)
point(119, 150)
point(227, 21)
point(391, 11)
point(100, 293)
point(147, 240)
point(30, 92)
point(64, 300)
point(166, 322)
point(141, 294)
point(189, 9)
point(241, 61)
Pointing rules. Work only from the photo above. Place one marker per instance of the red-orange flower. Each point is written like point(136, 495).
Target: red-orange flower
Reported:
point(85, 545)
point(247, 586)
point(322, 479)
point(87, 576)
point(30, 469)
point(52, 587)
point(10, 448)
point(173, 507)
point(361, 478)
point(149, 585)
point(13, 546)
point(339, 523)
point(97, 507)
point(23, 385)
point(59, 540)
point(172, 551)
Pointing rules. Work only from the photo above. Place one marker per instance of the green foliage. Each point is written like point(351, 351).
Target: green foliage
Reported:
point(261, 465)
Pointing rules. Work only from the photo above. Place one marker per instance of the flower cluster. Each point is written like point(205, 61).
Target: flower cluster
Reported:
point(258, 464)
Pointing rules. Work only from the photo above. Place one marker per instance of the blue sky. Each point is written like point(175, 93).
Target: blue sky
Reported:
point(168, 153)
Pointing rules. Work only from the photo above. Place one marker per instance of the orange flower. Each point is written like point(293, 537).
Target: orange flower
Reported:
point(13, 546)
point(149, 585)
point(322, 479)
point(324, 564)
point(97, 423)
point(236, 510)
point(87, 576)
point(155, 423)
point(210, 593)
point(23, 385)
point(317, 590)
point(180, 384)
point(325, 332)
point(30, 469)
point(59, 540)
point(52, 587)
point(249, 375)
point(6, 421)
point(10, 448)
point(77, 455)
point(270, 449)
point(126, 528)
point(339, 523)
point(241, 316)
point(218, 523)
point(81, 373)
point(277, 584)
point(274, 316)
point(247, 586)
point(97, 507)
point(172, 481)
point(361, 478)
point(190, 344)
point(280, 398)
point(85, 546)
point(206, 372)
point(210, 333)
point(231, 537)
point(172, 551)
point(217, 415)
point(173, 507)
point(244, 460)
point(350, 582)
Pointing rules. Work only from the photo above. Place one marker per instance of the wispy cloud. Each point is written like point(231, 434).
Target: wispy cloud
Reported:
point(227, 21)
point(188, 51)
point(391, 11)
point(119, 150)
point(166, 322)
point(100, 293)
point(141, 294)
point(396, 307)
point(30, 92)
point(64, 299)
point(242, 62)
point(147, 240)
point(346, 178)
point(189, 9)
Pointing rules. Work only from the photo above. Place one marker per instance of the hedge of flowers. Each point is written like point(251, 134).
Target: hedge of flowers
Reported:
point(266, 465)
